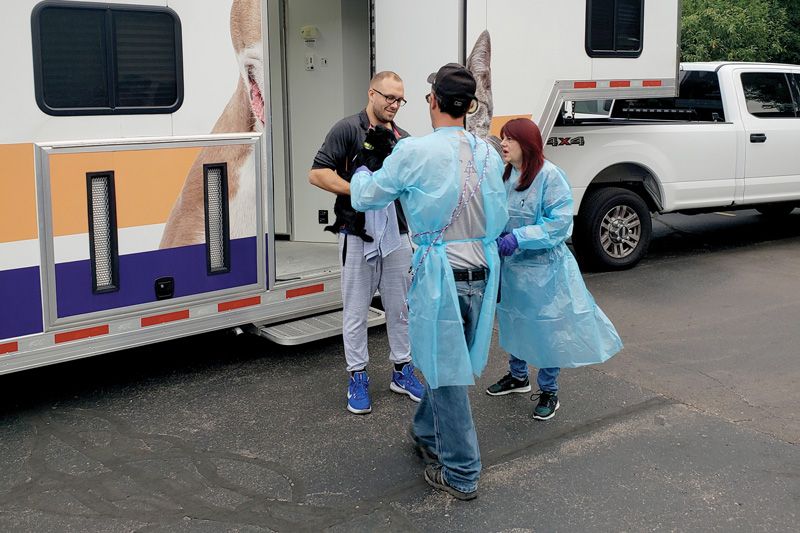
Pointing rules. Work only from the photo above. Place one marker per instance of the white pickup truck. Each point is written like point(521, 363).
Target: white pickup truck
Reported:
point(731, 139)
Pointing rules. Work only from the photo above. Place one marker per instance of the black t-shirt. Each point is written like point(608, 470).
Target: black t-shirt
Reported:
point(338, 153)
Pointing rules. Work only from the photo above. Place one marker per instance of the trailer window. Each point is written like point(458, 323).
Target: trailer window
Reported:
point(593, 107)
point(106, 59)
point(768, 95)
point(614, 28)
point(699, 98)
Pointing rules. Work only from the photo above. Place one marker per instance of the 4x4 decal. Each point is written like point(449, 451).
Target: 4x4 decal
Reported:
point(565, 141)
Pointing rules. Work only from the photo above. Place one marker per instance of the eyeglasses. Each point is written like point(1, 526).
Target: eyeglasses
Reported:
point(391, 100)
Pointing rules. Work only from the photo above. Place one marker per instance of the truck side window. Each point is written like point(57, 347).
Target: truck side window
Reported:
point(106, 59)
point(614, 28)
point(699, 99)
point(795, 83)
point(767, 94)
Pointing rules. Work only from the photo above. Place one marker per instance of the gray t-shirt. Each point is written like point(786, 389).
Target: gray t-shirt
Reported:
point(471, 223)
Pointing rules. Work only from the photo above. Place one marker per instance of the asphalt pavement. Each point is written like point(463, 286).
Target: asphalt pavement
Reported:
point(695, 426)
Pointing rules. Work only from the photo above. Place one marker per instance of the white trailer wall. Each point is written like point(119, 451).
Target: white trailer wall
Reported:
point(415, 38)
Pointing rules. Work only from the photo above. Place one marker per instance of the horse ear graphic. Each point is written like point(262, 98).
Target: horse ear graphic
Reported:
point(479, 63)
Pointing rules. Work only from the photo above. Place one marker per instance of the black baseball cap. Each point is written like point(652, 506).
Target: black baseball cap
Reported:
point(456, 83)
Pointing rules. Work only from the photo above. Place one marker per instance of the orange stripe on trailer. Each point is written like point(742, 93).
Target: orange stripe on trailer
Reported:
point(81, 334)
point(138, 174)
point(499, 121)
point(167, 317)
point(238, 304)
point(651, 83)
point(9, 347)
point(17, 193)
point(585, 85)
point(304, 291)
point(620, 83)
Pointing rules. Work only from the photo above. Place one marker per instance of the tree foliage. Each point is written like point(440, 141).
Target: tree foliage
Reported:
point(740, 30)
point(792, 54)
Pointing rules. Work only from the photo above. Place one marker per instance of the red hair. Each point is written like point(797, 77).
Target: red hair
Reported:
point(527, 134)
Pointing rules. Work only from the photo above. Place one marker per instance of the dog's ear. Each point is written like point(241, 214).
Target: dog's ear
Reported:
point(245, 24)
point(479, 63)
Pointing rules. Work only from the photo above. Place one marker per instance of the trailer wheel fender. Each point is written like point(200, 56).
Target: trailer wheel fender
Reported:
point(613, 229)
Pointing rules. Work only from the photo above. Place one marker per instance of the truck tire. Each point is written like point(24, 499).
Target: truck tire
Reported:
point(612, 229)
point(775, 210)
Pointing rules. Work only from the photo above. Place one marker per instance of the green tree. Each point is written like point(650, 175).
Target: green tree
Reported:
point(792, 53)
point(738, 30)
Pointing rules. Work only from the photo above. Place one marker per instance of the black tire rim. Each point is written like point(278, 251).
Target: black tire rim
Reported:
point(620, 231)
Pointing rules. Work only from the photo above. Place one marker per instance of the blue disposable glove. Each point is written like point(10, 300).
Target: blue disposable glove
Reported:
point(506, 245)
point(364, 169)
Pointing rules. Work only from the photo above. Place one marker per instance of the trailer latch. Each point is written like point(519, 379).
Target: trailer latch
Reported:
point(165, 288)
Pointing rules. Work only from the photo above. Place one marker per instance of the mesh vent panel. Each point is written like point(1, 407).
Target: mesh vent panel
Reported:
point(216, 218)
point(103, 232)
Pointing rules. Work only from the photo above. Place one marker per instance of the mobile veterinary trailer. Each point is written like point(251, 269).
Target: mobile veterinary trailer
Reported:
point(154, 154)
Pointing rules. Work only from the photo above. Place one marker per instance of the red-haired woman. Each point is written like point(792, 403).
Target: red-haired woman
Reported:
point(547, 317)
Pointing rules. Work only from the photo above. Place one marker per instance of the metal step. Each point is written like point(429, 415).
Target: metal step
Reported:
point(314, 327)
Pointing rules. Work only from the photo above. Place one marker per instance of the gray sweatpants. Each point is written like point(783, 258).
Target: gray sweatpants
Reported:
point(360, 280)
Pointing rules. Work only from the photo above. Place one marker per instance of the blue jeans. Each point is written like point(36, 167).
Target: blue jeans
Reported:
point(547, 377)
point(443, 421)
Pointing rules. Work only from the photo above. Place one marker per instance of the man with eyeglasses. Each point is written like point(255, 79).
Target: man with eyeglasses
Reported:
point(375, 250)
point(450, 184)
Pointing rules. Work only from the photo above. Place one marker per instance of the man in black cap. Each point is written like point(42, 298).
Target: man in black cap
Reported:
point(450, 186)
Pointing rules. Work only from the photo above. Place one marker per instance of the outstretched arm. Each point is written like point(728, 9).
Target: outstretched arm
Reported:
point(556, 224)
point(376, 190)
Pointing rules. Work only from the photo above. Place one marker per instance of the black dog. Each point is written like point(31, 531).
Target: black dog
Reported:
point(377, 146)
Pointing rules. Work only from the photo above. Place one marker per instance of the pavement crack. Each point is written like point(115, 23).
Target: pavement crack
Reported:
point(568, 434)
point(155, 479)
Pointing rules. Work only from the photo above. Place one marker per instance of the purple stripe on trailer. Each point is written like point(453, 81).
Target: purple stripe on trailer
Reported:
point(20, 302)
point(138, 273)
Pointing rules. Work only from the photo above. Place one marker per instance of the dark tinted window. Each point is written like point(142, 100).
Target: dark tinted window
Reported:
point(767, 94)
point(614, 27)
point(106, 59)
point(795, 79)
point(146, 59)
point(74, 55)
point(699, 98)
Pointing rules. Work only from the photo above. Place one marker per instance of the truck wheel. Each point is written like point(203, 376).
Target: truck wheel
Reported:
point(775, 210)
point(612, 230)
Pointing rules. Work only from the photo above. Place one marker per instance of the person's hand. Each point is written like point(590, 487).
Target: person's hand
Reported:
point(506, 245)
point(362, 168)
point(500, 238)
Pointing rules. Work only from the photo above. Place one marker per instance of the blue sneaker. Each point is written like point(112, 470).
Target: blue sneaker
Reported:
point(358, 401)
point(405, 382)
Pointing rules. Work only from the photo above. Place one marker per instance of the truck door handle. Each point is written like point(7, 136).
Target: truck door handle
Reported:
point(758, 138)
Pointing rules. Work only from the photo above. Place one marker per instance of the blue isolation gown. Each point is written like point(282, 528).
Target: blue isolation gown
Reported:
point(546, 314)
point(425, 174)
